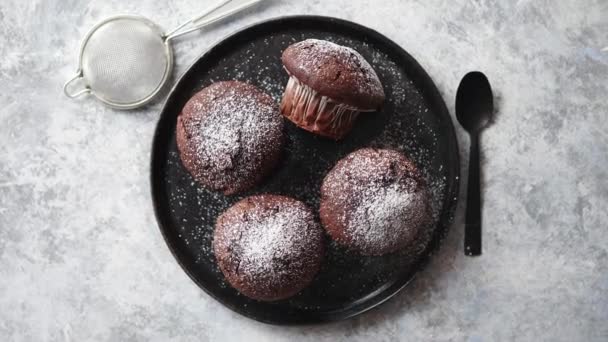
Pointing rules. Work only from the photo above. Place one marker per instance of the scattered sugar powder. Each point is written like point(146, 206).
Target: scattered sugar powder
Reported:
point(268, 239)
point(380, 199)
point(407, 130)
point(232, 122)
point(238, 128)
point(270, 246)
point(315, 53)
point(386, 215)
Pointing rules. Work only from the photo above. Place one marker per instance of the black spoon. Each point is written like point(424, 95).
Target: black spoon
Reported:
point(474, 107)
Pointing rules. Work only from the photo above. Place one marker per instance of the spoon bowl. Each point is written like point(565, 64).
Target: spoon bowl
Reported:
point(474, 102)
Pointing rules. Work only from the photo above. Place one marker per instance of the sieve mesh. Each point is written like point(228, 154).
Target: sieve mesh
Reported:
point(126, 60)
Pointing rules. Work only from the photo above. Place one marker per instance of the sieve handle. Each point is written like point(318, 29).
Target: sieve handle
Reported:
point(66, 86)
point(203, 20)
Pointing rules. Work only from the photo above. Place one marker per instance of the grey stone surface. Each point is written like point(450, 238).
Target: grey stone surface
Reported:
point(81, 257)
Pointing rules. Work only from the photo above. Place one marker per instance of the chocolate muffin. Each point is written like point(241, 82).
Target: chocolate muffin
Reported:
point(375, 201)
point(229, 136)
point(268, 247)
point(329, 86)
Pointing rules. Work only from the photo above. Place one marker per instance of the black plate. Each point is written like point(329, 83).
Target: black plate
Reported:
point(414, 120)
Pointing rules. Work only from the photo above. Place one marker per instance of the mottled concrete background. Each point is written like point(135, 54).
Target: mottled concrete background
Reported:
point(81, 257)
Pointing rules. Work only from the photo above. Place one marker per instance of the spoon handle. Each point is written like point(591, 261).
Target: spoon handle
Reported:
point(472, 231)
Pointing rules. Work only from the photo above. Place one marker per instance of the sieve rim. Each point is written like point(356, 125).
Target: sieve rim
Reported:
point(163, 81)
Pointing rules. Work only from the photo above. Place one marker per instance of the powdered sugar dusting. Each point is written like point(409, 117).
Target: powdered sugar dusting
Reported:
point(232, 129)
point(313, 55)
point(310, 59)
point(380, 200)
point(381, 215)
point(233, 123)
point(268, 246)
point(409, 122)
point(268, 239)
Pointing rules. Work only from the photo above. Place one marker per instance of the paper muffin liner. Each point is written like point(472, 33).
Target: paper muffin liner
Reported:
point(317, 113)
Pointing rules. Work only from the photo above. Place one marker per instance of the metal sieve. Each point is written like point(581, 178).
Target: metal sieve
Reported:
point(125, 61)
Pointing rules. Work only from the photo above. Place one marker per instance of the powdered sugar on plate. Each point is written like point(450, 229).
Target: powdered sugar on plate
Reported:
point(410, 122)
